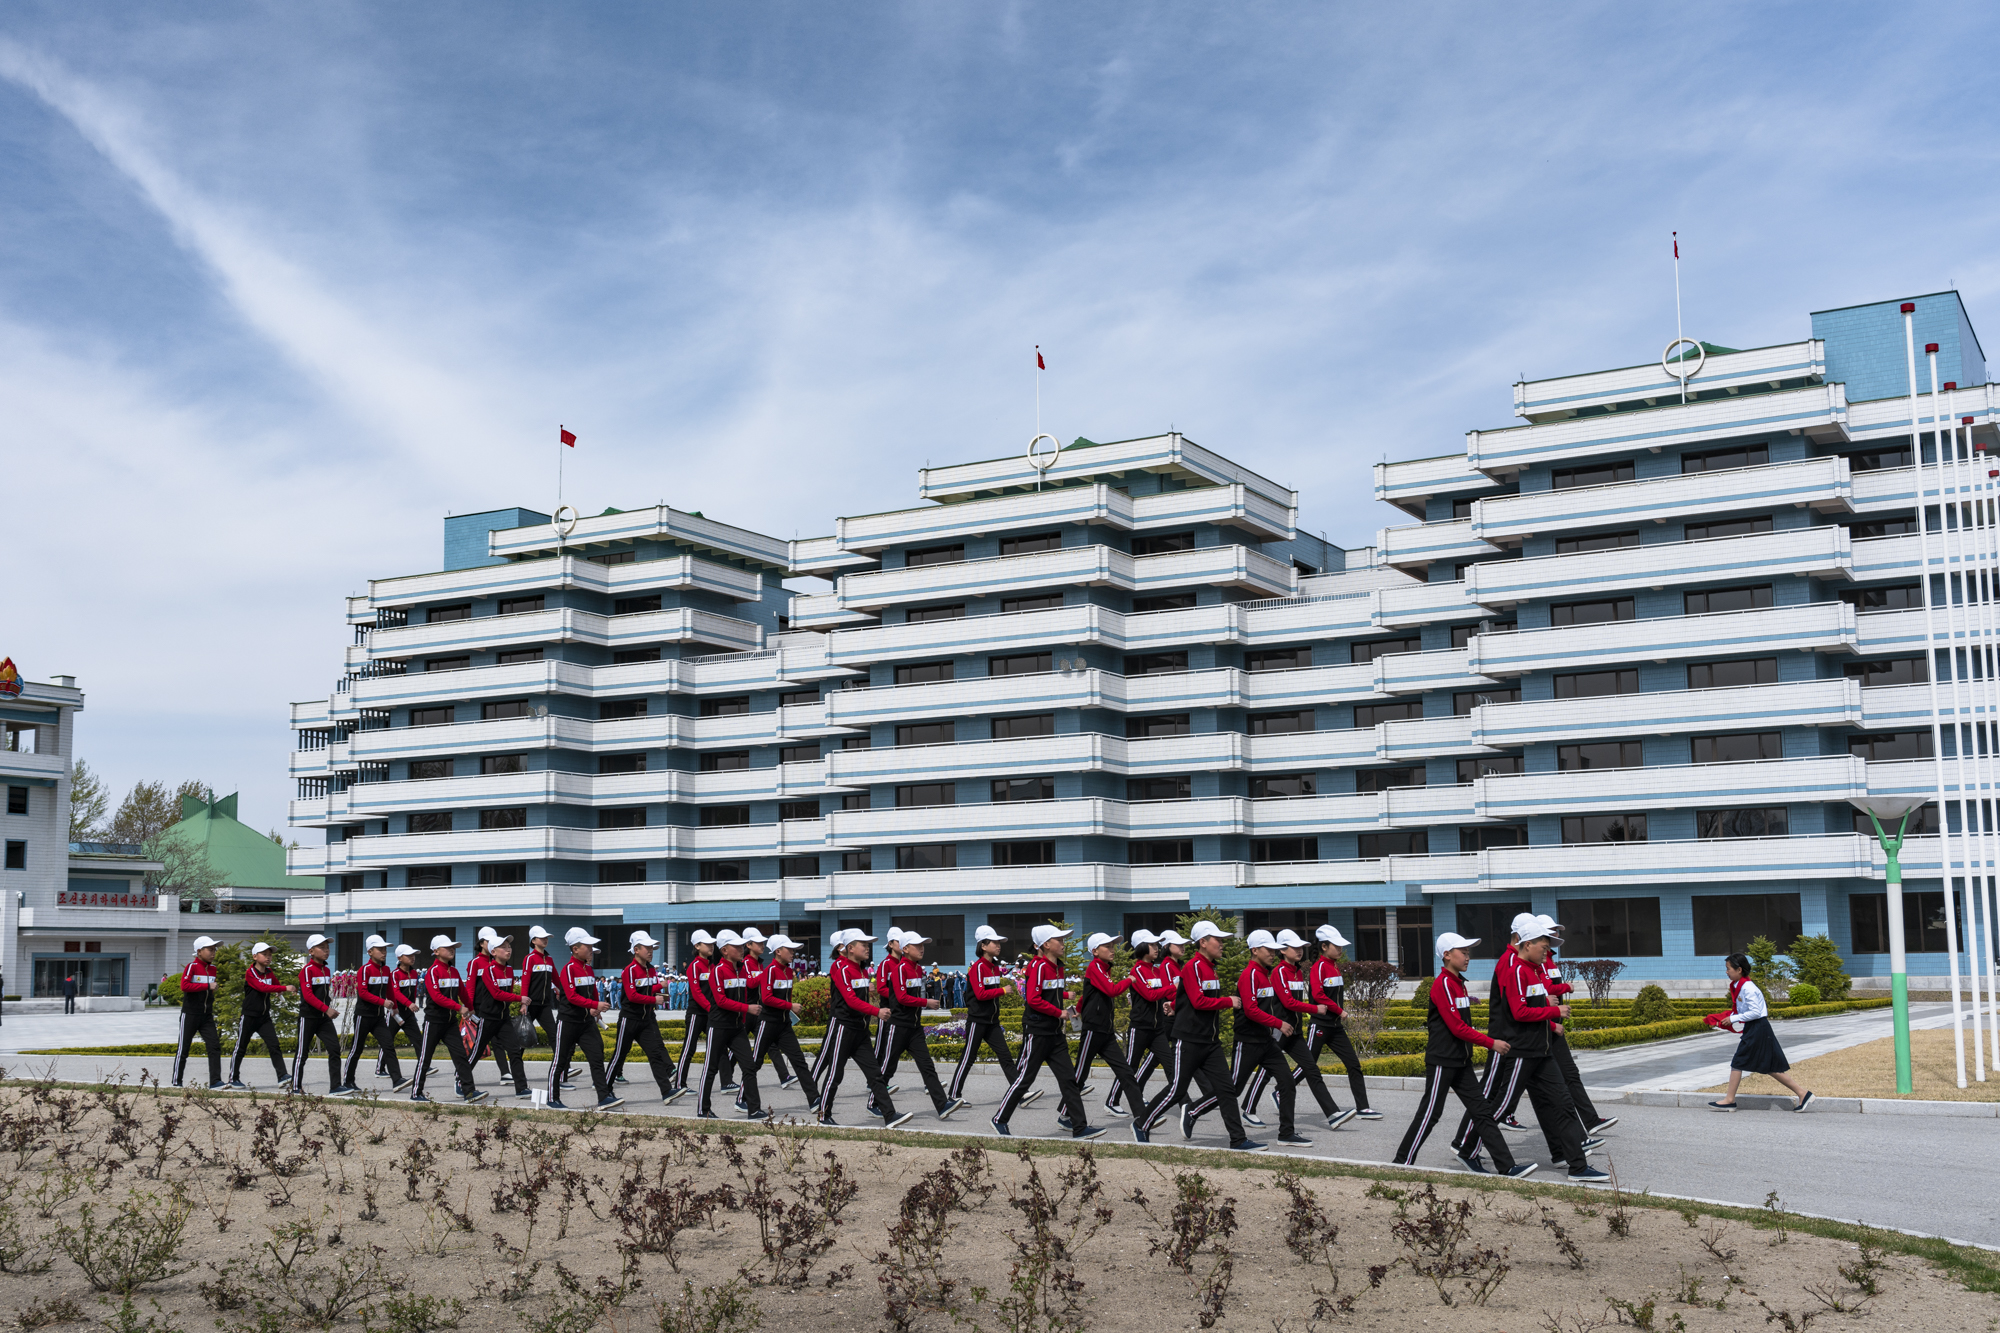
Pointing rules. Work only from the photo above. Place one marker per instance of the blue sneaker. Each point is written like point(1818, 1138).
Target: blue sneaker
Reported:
point(1140, 1136)
point(1000, 1128)
point(1247, 1145)
point(1473, 1163)
point(1087, 1132)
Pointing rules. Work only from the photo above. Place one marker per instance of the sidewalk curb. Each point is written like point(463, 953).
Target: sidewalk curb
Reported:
point(1776, 1102)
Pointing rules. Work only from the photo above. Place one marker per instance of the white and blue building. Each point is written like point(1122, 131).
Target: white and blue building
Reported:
point(1623, 661)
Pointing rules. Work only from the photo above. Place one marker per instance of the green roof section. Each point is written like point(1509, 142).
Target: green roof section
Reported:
point(245, 858)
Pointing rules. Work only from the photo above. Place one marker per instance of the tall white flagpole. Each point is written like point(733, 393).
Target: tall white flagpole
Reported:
point(1678, 336)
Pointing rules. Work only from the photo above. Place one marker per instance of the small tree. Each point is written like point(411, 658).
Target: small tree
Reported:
point(1771, 970)
point(1819, 966)
point(88, 802)
point(184, 867)
point(1229, 967)
point(1369, 986)
point(1653, 1005)
point(1597, 974)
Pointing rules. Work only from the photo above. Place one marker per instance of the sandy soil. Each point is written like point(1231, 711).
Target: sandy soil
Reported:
point(1869, 1070)
point(556, 1224)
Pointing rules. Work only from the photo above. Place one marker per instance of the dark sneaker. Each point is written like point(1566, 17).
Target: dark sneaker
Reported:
point(679, 1093)
point(1604, 1124)
point(404, 1084)
point(789, 1083)
point(1722, 1106)
point(1369, 1113)
point(237, 1085)
point(950, 1108)
point(1187, 1121)
point(830, 1124)
point(762, 1113)
point(1249, 1119)
point(1522, 1170)
point(731, 1087)
point(1294, 1140)
point(419, 1097)
point(474, 1096)
point(1087, 1132)
point(1031, 1094)
point(1062, 1122)
point(1000, 1128)
point(606, 1102)
point(1140, 1136)
point(1513, 1126)
point(1804, 1101)
point(1473, 1163)
point(741, 1105)
point(1248, 1145)
point(901, 1120)
point(1339, 1118)
point(1590, 1175)
point(1592, 1144)
point(555, 1104)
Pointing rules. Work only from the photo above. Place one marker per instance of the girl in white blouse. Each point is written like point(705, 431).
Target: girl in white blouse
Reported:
point(1758, 1052)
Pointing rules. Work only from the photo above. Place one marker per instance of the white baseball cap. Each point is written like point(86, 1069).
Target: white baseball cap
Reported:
point(1452, 940)
point(1329, 935)
point(1208, 930)
point(1536, 930)
point(912, 937)
point(1523, 922)
point(1174, 937)
point(1098, 940)
point(374, 942)
point(1043, 934)
point(701, 937)
point(536, 932)
point(1143, 936)
point(857, 935)
point(438, 942)
point(578, 935)
point(1550, 924)
point(752, 935)
point(405, 950)
point(487, 934)
point(1259, 939)
point(312, 941)
point(727, 938)
point(837, 941)
point(782, 941)
point(1289, 939)
point(985, 933)
point(895, 934)
point(640, 937)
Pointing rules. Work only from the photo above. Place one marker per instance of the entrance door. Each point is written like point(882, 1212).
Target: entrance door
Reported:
point(1415, 946)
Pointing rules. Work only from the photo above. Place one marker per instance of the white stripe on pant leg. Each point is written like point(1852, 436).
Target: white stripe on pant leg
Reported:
point(555, 1063)
point(839, 1039)
point(1166, 1098)
point(299, 1058)
point(1020, 1075)
point(966, 1059)
point(1425, 1123)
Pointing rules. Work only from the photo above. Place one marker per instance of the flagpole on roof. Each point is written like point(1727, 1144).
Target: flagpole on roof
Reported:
point(1678, 339)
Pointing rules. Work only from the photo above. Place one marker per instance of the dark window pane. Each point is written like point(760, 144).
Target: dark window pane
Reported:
point(791, 867)
point(918, 615)
point(1728, 527)
point(613, 709)
point(1721, 460)
point(1882, 527)
point(628, 817)
point(723, 761)
point(1163, 851)
point(1488, 766)
point(431, 821)
point(1729, 675)
point(1922, 823)
point(1024, 853)
point(925, 733)
point(502, 709)
point(625, 763)
point(1593, 474)
point(1040, 541)
point(1724, 923)
point(1463, 702)
point(513, 816)
point(1599, 754)
point(1154, 664)
point(1604, 828)
point(1740, 748)
point(1610, 927)
point(1403, 710)
point(438, 615)
point(798, 754)
point(1891, 671)
point(1174, 787)
point(1923, 922)
point(928, 856)
point(1272, 785)
point(430, 877)
point(1278, 659)
point(520, 606)
point(1597, 541)
point(798, 810)
point(1592, 684)
point(622, 872)
point(1403, 842)
point(1284, 849)
point(1479, 837)
point(724, 816)
point(921, 673)
point(622, 656)
point(934, 555)
point(1888, 745)
point(1381, 779)
point(515, 872)
point(928, 793)
point(792, 698)
point(855, 861)
point(1156, 724)
point(1895, 597)
point(1591, 613)
point(1714, 601)
point(1281, 724)
point(734, 705)
point(513, 656)
point(1759, 822)
point(1462, 634)
point(635, 606)
point(1024, 789)
point(723, 872)
point(448, 664)
point(1374, 648)
point(1162, 543)
point(1165, 601)
point(423, 769)
point(1490, 924)
point(1875, 460)
point(504, 763)
point(1020, 664)
point(1013, 728)
point(432, 717)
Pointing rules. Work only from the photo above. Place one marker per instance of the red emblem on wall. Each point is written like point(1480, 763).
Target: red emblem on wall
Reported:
point(10, 678)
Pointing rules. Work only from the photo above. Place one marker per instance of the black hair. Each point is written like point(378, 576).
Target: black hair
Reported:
point(1741, 962)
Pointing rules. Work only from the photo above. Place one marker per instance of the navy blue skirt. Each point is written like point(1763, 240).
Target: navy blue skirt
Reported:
point(1758, 1052)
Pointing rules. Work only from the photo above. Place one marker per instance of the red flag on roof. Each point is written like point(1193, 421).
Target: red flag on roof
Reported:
point(1677, 245)
point(1039, 363)
point(568, 436)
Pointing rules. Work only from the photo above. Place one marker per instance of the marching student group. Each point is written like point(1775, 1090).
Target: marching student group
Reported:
point(1286, 1003)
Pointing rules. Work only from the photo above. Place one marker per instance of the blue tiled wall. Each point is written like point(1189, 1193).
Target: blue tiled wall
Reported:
point(1865, 348)
point(465, 535)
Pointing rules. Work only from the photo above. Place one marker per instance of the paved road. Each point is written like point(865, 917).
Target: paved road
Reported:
point(1912, 1172)
point(1689, 1064)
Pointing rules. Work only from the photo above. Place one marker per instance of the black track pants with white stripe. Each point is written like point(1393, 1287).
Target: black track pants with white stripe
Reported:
point(994, 1037)
point(257, 1027)
point(202, 1026)
point(728, 1048)
point(1586, 1110)
point(1253, 1058)
point(776, 1039)
point(1327, 1035)
point(443, 1028)
point(485, 1033)
point(639, 1026)
point(1104, 1046)
point(574, 1032)
point(909, 1037)
point(1500, 1086)
point(697, 1028)
point(1464, 1084)
point(851, 1044)
point(1197, 1064)
point(782, 1065)
point(377, 1022)
point(1051, 1049)
point(402, 1019)
point(1305, 1069)
point(316, 1026)
point(1148, 1050)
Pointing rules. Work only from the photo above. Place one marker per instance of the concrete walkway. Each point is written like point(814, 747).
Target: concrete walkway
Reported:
point(1688, 1064)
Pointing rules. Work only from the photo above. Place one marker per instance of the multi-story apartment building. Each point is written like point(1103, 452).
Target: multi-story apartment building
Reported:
point(1625, 666)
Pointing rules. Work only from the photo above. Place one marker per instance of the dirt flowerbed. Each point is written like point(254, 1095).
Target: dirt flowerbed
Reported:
point(146, 1212)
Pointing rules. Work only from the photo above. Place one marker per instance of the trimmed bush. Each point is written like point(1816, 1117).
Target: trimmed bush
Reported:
point(1653, 1005)
point(1803, 992)
point(1818, 961)
point(813, 998)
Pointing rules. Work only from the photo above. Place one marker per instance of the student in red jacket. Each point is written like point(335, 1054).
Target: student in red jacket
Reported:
point(1150, 988)
point(884, 973)
point(641, 988)
point(493, 996)
point(1586, 1110)
point(734, 1009)
point(374, 1013)
point(538, 983)
point(1448, 1065)
point(774, 1033)
point(409, 996)
point(699, 1000)
point(756, 957)
point(985, 983)
point(577, 1007)
point(904, 1007)
point(1264, 1022)
point(1525, 993)
point(316, 1022)
point(848, 1032)
point(1325, 988)
point(1198, 1058)
point(1095, 1010)
point(1045, 998)
point(1294, 991)
point(198, 982)
point(260, 985)
point(444, 1009)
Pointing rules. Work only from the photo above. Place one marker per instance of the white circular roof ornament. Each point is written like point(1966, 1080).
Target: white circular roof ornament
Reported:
point(1683, 370)
point(564, 526)
point(1041, 463)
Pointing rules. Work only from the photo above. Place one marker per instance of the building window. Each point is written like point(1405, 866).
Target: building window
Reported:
point(614, 558)
point(798, 867)
point(1269, 786)
point(1739, 748)
point(503, 709)
point(918, 615)
point(439, 615)
point(1489, 923)
point(432, 717)
point(1020, 664)
point(1599, 754)
point(1761, 822)
point(1402, 842)
point(622, 872)
point(430, 877)
point(1729, 675)
point(1284, 849)
point(631, 816)
point(1593, 474)
point(1464, 701)
point(1591, 613)
point(634, 606)
point(1172, 787)
point(1875, 460)
point(1598, 541)
point(856, 800)
point(723, 872)
point(1461, 635)
point(923, 673)
point(1891, 745)
point(1281, 724)
point(1040, 541)
point(928, 793)
point(1610, 927)
point(1024, 853)
point(1594, 684)
point(715, 761)
point(612, 710)
point(1278, 659)
point(796, 698)
point(506, 872)
point(1604, 828)
point(1922, 823)
point(734, 705)
point(431, 821)
point(502, 763)
point(1160, 851)
point(17, 854)
point(422, 770)
point(17, 800)
point(1403, 710)
point(1923, 922)
point(1895, 597)
point(1382, 779)
point(934, 555)
point(516, 656)
point(1723, 460)
point(634, 763)
point(798, 754)
point(625, 656)
point(724, 816)
point(1891, 671)
point(1724, 923)
point(928, 856)
point(1163, 601)
point(1163, 543)
point(1488, 766)
point(512, 816)
point(1480, 837)
point(520, 606)
point(798, 810)
point(1014, 728)
point(1155, 664)
point(1024, 789)
point(448, 664)
point(944, 935)
point(926, 733)
point(1882, 527)
point(857, 743)
point(1715, 601)
point(1374, 648)
point(852, 862)
point(1728, 527)
point(1149, 725)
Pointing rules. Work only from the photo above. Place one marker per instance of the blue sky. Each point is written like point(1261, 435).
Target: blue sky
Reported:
point(282, 285)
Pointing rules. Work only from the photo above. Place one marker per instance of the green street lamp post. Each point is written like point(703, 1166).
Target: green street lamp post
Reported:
point(1898, 808)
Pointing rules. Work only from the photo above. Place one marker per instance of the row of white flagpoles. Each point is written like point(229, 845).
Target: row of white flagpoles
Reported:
point(1961, 592)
